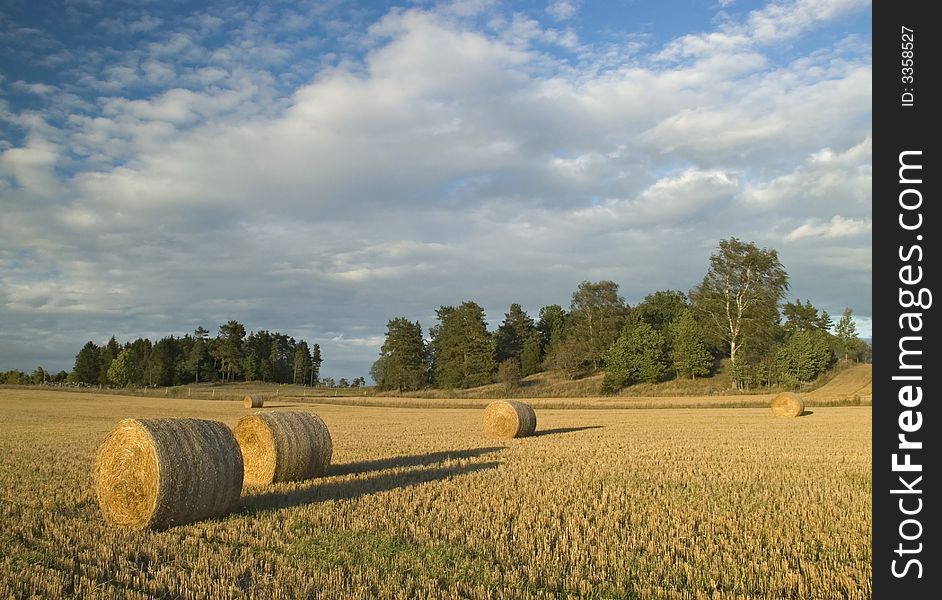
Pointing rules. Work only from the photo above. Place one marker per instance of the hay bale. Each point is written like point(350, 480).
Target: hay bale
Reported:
point(787, 404)
point(156, 473)
point(283, 446)
point(250, 401)
point(508, 419)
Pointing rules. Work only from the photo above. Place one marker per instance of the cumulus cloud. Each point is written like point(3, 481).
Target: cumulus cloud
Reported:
point(837, 227)
point(425, 156)
point(562, 10)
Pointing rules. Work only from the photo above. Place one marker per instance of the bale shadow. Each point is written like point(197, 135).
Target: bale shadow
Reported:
point(805, 413)
point(319, 491)
point(566, 430)
point(417, 460)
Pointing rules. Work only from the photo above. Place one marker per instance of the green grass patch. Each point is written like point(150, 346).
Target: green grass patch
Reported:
point(447, 563)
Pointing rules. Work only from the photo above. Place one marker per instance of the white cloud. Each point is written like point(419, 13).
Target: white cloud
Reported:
point(562, 10)
point(837, 227)
point(773, 23)
point(185, 182)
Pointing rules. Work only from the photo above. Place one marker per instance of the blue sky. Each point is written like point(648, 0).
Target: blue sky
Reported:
point(318, 168)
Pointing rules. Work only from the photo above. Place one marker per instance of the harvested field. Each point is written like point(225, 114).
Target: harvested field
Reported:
point(855, 381)
point(417, 503)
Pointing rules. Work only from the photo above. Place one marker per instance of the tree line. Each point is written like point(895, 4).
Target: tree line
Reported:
point(736, 313)
point(196, 358)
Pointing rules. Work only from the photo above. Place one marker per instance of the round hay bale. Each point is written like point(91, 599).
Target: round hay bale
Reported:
point(787, 404)
point(157, 473)
point(251, 401)
point(283, 446)
point(508, 419)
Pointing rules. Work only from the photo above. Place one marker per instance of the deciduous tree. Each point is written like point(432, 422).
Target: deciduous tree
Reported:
point(636, 356)
point(596, 316)
point(739, 297)
point(689, 353)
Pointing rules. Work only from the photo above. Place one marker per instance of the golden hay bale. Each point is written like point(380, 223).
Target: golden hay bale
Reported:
point(283, 446)
point(251, 401)
point(509, 419)
point(787, 404)
point(156, 473)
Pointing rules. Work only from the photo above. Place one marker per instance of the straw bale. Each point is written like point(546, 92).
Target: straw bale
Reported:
point(157, 473)
point(283, 446)
point(253, 401)
point(787, 404)
point(508, 419)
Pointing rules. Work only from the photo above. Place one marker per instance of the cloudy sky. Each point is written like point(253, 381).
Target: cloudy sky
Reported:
point(320, 167)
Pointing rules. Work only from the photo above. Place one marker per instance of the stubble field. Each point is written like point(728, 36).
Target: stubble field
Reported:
point(658, 503)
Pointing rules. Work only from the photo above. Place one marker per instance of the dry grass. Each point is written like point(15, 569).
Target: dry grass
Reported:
point(156, 473)
point(721, 503)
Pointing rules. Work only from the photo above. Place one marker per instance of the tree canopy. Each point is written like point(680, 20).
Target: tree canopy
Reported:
point(738, 299)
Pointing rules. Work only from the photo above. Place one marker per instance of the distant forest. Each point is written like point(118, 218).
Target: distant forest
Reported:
point(737, 315)
point(230, 356)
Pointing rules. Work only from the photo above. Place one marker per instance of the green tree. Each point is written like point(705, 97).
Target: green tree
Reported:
point(107, 354)
point(804, 317)
point(39, 376)
point(552, 327)
point(199, 352)
point(163, 361)
point(805, 355)
point(531, 356)
point(846, 334)
point(316, 362)
point(15, 377)
point(254, 361)
point(377, 370)
point(125, 369)
point(462, 347)
point(87, 367)
point(229, 348)
point(301, 363)
point(660, 309)
point(142, 348)
point(512, 334)
point(596, 316)
point(738, 300)
point(403, 357)
point(636, 356)
point(280, 356)
point(689, 353)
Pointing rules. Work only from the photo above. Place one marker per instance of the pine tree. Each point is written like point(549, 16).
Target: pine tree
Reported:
point(462, 347)
point(403, 357)
point(88, 364)
point(107, 354)
point(552, 327)
point(846, 333)
point(512, 337)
